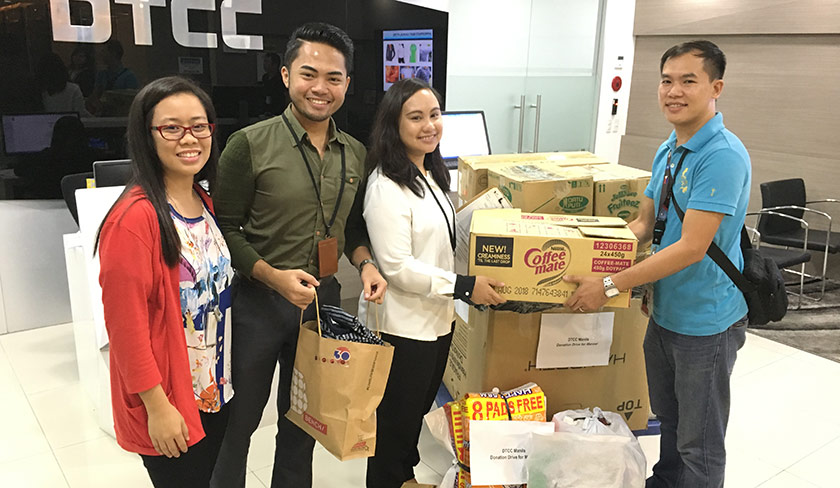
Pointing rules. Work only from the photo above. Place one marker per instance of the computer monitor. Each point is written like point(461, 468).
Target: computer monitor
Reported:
point(29, 133)
point(111, 173)
point(464, 134)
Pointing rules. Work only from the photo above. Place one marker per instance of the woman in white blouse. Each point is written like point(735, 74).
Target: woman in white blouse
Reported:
point(411, 225)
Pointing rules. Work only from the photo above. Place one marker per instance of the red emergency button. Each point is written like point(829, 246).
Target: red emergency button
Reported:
point(616, 83)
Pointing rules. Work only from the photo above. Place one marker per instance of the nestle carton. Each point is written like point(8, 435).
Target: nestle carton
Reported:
point(544, 188)
point(531, 253)
point(619, 190)
point(472, 170)
point(499, 349)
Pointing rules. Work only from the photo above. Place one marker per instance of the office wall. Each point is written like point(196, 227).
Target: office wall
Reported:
point(780, 94)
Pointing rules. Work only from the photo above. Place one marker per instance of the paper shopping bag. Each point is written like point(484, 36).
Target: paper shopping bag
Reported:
point(336, 387)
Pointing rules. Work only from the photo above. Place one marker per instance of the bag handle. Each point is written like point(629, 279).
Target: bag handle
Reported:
point(376, 315)
point(317, 315)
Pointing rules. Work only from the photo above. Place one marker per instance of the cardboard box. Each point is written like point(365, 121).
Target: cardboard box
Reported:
point(499, 349)
point(472, 170)
point(531, 253)
point(619, 190)
point(540, 188)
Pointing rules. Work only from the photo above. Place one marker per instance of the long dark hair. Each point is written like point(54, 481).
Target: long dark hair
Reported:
point(52, 74)
point(387, 150)
point(146, 167)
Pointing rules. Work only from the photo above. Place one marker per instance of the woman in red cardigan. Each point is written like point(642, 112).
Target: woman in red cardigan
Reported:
point(165, 272)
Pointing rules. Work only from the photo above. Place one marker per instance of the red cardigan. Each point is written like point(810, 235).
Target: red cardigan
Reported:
point(143, 318)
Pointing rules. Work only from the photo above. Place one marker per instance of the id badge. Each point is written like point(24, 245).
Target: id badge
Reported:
point(328, 257)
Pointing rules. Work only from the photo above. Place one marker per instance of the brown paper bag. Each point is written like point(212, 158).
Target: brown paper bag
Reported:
point(336, 387)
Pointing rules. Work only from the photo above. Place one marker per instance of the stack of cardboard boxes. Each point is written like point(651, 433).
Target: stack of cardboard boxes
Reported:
point(569, 217)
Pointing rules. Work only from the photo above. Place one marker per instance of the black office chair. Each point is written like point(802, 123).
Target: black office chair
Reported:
point(783, 257)
point(69, 185)
point(788, 197)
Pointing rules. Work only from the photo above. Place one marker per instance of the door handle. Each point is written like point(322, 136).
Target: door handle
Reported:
point(521, 108)
point(537, 106)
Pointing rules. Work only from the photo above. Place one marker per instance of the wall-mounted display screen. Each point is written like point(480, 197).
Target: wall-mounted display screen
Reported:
point(406, 54)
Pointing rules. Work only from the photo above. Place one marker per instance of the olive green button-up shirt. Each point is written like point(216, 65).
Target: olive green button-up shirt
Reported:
point(266, 204)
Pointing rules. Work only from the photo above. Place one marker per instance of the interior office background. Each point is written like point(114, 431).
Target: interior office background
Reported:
point(780, 97)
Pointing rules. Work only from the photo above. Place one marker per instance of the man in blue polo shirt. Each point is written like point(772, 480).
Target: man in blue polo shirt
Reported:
point(698, 321)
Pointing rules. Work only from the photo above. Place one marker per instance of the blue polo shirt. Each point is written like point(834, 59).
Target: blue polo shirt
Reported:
point(715, 176)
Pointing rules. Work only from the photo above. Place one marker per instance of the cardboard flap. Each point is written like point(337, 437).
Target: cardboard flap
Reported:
point(608, 232)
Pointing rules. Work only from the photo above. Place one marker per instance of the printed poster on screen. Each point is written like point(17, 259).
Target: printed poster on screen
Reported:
point(406, 54)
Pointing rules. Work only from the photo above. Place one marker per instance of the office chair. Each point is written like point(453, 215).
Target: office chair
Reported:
point(69, 185)
point(788, 197)
point(783, 257)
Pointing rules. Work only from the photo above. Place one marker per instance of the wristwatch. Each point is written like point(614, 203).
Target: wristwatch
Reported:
point(367, 261)
point(610, 290)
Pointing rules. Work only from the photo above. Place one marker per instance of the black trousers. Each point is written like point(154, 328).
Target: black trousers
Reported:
point(416, 373)
point(192, 469)
point(265, 333)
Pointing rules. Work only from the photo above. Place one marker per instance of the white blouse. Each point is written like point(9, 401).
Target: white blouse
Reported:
point(411, 245)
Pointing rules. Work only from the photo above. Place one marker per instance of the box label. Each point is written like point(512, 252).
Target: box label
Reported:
point(552, 258)
point(494, 251)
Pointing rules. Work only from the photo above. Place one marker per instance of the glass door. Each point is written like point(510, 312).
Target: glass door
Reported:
point(488, 64)
point(562, 75)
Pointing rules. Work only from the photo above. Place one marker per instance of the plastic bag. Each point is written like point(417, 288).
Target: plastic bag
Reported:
point(567, 460)
point(591, 422)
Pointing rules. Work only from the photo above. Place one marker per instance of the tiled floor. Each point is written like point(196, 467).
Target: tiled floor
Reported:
point(784, 429)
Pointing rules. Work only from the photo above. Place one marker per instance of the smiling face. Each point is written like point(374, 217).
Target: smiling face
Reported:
point(687, 94)
point(420, 125)
point(183, 158)
point(317, 81)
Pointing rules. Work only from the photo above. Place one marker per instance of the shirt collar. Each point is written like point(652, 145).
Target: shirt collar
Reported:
point(701, 137)
point(334, 133)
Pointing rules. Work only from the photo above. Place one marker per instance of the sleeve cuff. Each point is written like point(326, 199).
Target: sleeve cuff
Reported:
point(464, 288)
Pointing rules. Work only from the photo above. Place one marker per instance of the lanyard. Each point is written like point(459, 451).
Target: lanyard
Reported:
point(329, 224)
point(665, 197)
point(450, 229)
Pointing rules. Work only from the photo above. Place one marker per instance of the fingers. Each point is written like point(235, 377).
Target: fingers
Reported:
point(377, 292)
point(301, 275)
point(495, 283)
point(181, 444)
point(572, 279)
point(185, 431)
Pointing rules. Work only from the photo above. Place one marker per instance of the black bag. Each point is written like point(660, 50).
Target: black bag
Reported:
point(761, 281)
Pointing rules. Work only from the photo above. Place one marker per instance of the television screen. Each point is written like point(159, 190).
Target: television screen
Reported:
point(406, 54)
point(29, 133)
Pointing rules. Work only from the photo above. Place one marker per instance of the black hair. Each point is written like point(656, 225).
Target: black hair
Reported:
point(319, 32)
point(115, 48)
point(146, 167)
point(714, 61)
point(90, 56)
point(387, 150)
point(51, 73)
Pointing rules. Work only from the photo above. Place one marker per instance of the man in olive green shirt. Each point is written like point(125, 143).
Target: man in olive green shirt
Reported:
point(286, 203)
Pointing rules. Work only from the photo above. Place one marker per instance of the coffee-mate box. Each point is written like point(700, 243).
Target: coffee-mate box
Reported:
point(472, 170)
point(544, 188)
point(531, 253)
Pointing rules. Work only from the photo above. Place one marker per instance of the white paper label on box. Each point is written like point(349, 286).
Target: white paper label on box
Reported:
point(569, 340)
point(463, 310)
point(499, 450)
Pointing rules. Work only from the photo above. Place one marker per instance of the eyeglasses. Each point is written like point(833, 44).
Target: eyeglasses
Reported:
point(172, 132)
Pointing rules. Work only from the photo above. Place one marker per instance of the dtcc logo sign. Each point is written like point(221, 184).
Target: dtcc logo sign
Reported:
point(100, 29)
